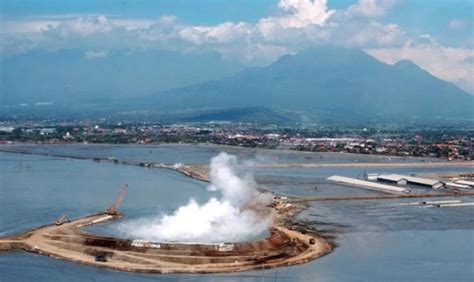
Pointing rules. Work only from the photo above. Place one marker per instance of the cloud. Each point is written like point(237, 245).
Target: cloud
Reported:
point(91, 55)
point(372, 33)
point(27, 26)
point(55, 32)
point(297, 24)
point(82, 26)
point(448, 63)
point(370, 8)
point(302, 13)
point(300, 23)
point(223, 33)
point(469, 60)
point(457, 24)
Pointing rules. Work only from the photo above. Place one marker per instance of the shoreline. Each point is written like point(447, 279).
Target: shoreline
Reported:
point(284, 247)
point(212, 145)
point(262, 165)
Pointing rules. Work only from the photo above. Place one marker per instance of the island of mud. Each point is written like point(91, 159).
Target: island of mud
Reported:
point(66, 240)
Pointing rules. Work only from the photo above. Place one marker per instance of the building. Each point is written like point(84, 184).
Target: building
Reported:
point(392, 178)
point(367, 184)
point(371, 176)
point(46, 131)
point(411, 180)
point(456, 185)
point(432, 183)
point(465, 182)
point(7, 129)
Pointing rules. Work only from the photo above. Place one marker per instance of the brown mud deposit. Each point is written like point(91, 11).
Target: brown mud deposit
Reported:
point(288, 244)
point(200, 172)
point(67, 241)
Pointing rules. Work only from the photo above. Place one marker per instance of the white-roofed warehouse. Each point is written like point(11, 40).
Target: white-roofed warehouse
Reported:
point(367, 184)
point(392, 178)
point(396, 178)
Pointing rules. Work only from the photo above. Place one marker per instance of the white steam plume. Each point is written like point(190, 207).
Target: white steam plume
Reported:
point(240, 213)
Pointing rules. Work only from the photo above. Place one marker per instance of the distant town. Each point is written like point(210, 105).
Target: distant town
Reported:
point(447, 143)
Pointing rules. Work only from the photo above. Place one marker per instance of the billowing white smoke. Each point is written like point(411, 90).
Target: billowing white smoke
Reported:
point(239, 214)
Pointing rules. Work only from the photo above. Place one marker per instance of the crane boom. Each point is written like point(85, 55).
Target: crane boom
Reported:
point(63, 219)
point(113, 209)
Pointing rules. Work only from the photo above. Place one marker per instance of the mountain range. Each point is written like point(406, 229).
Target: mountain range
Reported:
point(75, 76)
point(328, 84)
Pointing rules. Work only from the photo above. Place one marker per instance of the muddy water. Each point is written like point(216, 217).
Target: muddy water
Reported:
point(35, 190)
point(377, 241)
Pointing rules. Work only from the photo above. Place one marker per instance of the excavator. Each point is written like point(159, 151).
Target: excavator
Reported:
point(113, 209)
point(63, 219)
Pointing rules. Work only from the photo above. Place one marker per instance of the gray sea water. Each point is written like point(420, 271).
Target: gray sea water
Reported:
point(377, 241)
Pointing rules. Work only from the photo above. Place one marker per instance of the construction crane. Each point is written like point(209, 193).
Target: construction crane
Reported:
point(113, 210)
point(63, 219)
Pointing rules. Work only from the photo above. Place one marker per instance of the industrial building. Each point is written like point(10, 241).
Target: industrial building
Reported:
point(66, 240)
point(411, 180)
point(371, 176)
point(367, 184)
point(392, 178)
point(466, 182)
point(456, 185)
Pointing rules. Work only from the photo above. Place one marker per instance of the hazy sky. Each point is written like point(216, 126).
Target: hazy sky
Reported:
point(436, 34)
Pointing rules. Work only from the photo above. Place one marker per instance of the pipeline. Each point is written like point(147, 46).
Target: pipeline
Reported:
point(470, 204)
